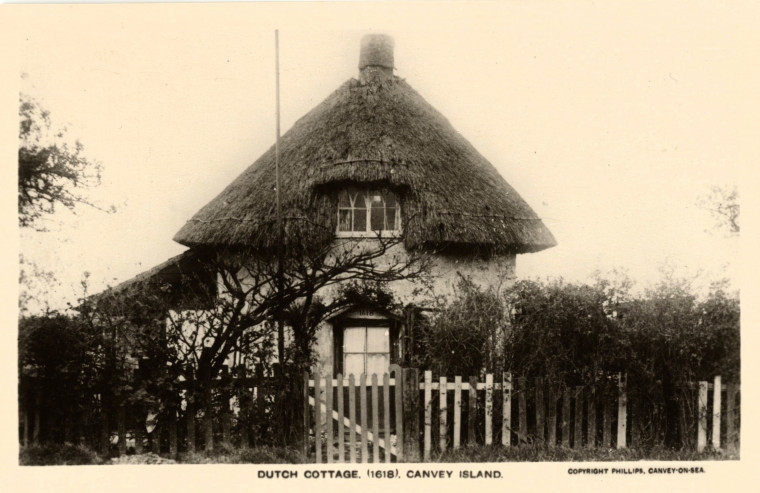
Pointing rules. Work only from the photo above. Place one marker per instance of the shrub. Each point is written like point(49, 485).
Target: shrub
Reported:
point(562, 331)
point(58, 455)
point(467, 335)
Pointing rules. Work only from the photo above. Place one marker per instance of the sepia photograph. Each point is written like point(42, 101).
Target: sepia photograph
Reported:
point(446, 234)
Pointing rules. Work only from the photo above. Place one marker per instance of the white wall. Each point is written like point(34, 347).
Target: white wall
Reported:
point(437, 285)
point(444, 275)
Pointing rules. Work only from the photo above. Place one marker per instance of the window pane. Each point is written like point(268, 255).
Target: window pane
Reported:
point(344, 220)
point(390, 199)
point(378, 340)
point(390, 219)
point(360, 219)
point(377, 217)
point(353, 364)
point(378, 363)
point(353, 339)
point(344, 200)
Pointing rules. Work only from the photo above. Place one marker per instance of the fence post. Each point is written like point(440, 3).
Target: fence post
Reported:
point(172, 424)
point(428, 395)
point(702, 417)
point(566, 417)
point(472, 413)
point(457, 411)
point(318, 418)
point(551, 415)
point(578, 439)
point(398, 401)
point(25, 435)
point(411, 407)
point(522, 388)
point(716, 413)
point(245, 400)
point(226, 420)
point(506, 424)
point(540, 423)
point(329, 419)
point(607, 422)
point(375, 422)
point(352, 418)
point(104, 425)
point(730, 416)
point(306, 413)
point(489, 409)
point(156, 438)
point(121, 425)
point(622, 410)
point(37, 433)
point(208, 418)
point(190, 423)
point(341, 417)
point(591, 420)
point(386, 417)
point(442, 410)
point(635, 411)
point(363, 414)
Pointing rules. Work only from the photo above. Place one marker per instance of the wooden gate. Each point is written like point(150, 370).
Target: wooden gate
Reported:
point(343, 433)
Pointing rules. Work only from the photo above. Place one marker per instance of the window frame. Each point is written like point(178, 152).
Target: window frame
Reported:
point(366, 353)
point(367, 193)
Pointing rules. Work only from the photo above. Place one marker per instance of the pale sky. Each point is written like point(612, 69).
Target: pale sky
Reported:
point(610, 120)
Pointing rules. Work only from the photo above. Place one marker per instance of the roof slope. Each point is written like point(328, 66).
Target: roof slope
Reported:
point(379, 131)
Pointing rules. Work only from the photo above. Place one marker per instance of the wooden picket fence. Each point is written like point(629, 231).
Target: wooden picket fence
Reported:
point(406, 418)
point(712, 408)
point(544, 413)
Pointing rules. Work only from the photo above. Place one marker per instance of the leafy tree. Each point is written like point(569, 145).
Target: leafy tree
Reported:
point(52, 171)
point(35, 285)
point(722, 202)
point(57, 371)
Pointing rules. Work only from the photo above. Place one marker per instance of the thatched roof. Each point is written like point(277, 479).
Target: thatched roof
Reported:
point(372, 130)
point(183, 281)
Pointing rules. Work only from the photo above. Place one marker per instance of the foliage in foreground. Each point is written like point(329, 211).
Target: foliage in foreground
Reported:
point(54, 454)
point(256, 455)
point(537, 453)
point(664, 339)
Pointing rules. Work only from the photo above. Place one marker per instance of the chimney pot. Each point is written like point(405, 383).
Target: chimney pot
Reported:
point(376, 55)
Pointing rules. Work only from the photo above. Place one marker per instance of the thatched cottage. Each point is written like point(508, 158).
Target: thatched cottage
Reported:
point(376, 158)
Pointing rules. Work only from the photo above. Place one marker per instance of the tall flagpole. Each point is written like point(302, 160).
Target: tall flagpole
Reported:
point(280, 232)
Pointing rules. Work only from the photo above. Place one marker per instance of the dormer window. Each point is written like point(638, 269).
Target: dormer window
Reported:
point(365, 212)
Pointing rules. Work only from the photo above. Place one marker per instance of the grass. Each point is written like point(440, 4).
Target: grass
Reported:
point(538, 453)
point(226, 454)
point(68, 454)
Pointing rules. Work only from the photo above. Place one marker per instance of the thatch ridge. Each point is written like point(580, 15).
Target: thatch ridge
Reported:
point(378, 131)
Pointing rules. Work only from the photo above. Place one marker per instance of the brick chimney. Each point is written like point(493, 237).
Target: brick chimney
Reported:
point(376, 57)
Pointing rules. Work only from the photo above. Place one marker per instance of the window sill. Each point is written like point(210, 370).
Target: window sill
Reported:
point(368, 234)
